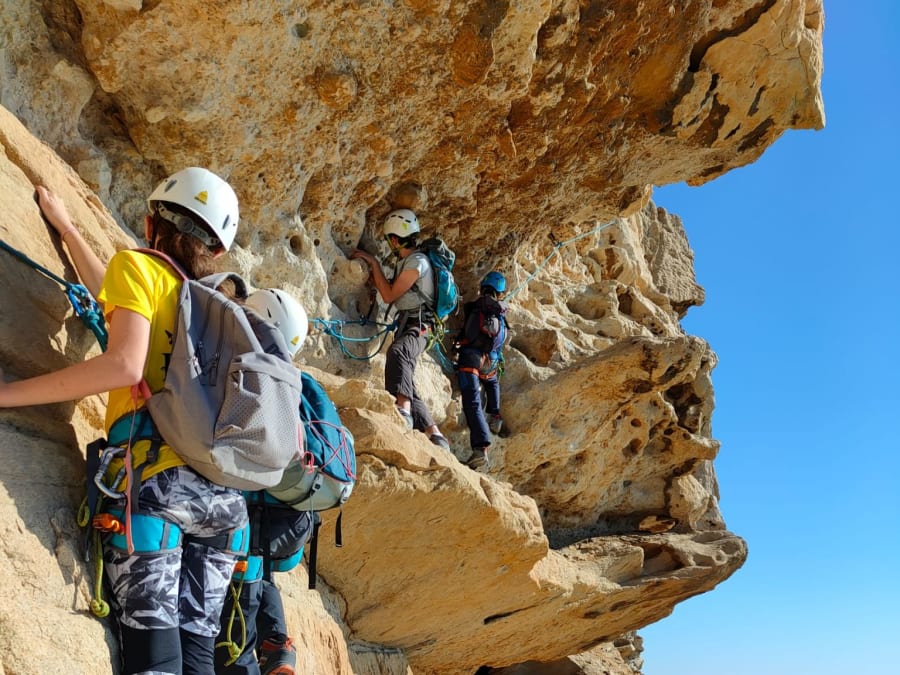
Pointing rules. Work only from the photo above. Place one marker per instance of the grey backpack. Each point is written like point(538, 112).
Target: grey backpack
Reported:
point(230, 403)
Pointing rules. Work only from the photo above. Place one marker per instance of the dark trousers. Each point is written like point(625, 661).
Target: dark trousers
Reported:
point(400, 370)
point(168, 650)
point(264, 617)
point(470, 386)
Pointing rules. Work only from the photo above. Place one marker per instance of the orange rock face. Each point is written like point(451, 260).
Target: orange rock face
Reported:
point(529, 135)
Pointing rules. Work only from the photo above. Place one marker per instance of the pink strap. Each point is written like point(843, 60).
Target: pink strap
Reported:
point(166, 258)
point(141, 389)
point(129, 469)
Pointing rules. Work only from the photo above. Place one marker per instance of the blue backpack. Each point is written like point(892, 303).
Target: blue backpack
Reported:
point(325, 477)
point(446, 292)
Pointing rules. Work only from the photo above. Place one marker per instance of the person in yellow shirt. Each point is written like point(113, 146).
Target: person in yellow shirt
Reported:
point(169, 592)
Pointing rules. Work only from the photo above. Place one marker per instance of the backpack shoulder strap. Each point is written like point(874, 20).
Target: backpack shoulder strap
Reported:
point(165, 258)
point(415, 287)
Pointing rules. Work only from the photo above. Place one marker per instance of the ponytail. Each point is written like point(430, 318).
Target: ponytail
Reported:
point(193, 255)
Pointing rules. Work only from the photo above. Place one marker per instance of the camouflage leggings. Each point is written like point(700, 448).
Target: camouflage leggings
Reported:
point(183, 588)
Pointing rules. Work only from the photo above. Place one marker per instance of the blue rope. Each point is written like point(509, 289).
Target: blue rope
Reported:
point(335, 328)
point(83, 303)
point(444, 360)
point(556, 246)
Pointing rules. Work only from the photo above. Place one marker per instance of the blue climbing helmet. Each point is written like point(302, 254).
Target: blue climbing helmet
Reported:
point(495, 281)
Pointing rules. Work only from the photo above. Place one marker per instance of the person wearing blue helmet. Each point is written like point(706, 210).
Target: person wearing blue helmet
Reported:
point(480, 362)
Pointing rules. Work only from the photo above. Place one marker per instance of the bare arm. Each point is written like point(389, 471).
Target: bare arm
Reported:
point(389, 292)
point(87, 264)
point(121, 365)
point(402, 283)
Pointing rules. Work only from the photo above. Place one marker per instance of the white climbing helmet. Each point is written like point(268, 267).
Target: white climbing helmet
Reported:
point(400, 223)
point(281, 309)
point(204, 194)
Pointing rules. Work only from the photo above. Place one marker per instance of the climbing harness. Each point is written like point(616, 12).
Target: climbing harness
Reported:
point(557, 245)
point(86, 308)
point(120, 527)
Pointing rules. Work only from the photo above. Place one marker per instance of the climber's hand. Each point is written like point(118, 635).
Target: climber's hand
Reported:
point(365, 256)
point(54, 209)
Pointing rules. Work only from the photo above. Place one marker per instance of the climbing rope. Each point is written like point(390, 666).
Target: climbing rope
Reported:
point(436, 345)
point(444, 360)
point(235, 649)
point(557, 245)
point(335, 328)
point(86, 308)
point(99, 607)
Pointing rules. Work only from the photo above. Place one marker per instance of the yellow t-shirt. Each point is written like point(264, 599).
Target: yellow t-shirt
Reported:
point(148, 286)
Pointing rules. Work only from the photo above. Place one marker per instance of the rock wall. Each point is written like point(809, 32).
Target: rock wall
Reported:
point(528, 135)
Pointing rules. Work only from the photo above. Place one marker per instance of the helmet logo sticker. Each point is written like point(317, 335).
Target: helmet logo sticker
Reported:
point(201, 197)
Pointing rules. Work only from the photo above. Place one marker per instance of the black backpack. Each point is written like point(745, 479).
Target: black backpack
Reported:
point(486, 327)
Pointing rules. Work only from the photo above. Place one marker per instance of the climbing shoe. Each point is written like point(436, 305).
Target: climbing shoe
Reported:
point(478, 458)
point(407, 417)
point(277, 658)
point(440, 441)
point(495, 423)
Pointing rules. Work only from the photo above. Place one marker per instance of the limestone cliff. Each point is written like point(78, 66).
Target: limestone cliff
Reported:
point(529, 135)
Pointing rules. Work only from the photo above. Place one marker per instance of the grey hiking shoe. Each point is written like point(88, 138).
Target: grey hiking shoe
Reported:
point(440, 440)
point(495, 423)
point(407, 417)
point(478, 458)
point(278, 658)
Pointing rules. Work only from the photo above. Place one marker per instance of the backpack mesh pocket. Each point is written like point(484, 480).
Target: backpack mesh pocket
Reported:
point(258, 424)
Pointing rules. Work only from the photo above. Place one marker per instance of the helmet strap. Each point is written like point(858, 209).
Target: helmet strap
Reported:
point(186, 225)
point(395, 247)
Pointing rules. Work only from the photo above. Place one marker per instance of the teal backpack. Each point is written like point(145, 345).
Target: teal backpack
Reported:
point(446, 292)
point(325, 476)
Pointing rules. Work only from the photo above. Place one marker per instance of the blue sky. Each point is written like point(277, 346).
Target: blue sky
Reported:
point(799, 254)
